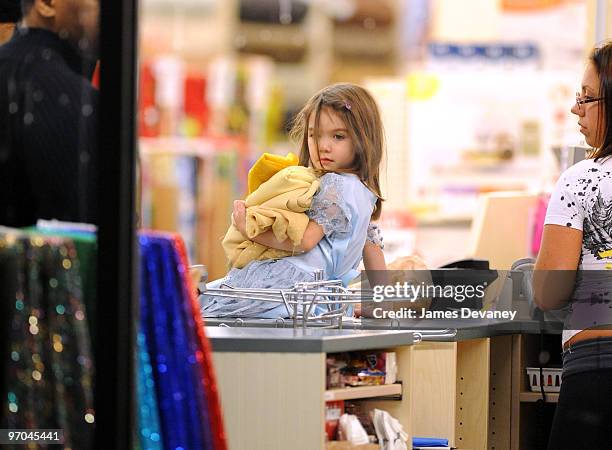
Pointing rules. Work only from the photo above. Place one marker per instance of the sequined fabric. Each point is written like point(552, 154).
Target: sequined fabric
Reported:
point(48, 368)
point(47, 372)
point(86, 246)
point(149, 432)
point(176, 345)
point(204, 353)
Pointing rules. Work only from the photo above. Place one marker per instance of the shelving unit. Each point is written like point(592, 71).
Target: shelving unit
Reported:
point(273, 389)
point(302, 50)
point(186, 188)
point(321, 49)
point(530, 397)
point(446, 390)
point(473, 391)
point(362, 392)
point(531, 420)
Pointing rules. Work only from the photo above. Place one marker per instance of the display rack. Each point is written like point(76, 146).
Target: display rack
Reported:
point(529, 397)
point(363, 392)
point(531, 418)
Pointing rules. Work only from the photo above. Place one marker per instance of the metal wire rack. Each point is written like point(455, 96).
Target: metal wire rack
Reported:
point(313, 303)
point(318, 303)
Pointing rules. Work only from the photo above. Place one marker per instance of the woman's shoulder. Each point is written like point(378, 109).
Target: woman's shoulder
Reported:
point(585, 181)
point(589, 167)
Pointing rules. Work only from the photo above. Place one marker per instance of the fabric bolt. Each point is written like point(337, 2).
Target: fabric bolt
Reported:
point(278, 205)
point(148, 417)
point(204, 353)
point(8, 288)
point(86, 246)
point(174, 338)
point(49, 372)
point(343, 206)
point(172, 370)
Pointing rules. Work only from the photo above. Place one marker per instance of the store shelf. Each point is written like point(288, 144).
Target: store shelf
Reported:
point(352, 393)
point(197, 146)
point(530, 397)
point(285, 43)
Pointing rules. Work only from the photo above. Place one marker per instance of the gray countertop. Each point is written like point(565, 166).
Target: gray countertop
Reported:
point(468, 328)
point(261, 336)
point(312, 340)
point(463, 329)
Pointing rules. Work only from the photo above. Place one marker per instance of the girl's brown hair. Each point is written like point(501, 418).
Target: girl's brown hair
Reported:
point(360, 114)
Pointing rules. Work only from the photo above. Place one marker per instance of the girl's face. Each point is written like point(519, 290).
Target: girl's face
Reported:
point(335, 147)
point(591, 125)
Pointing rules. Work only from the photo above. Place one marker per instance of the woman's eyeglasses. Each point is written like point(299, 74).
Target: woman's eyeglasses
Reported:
point(580, 100)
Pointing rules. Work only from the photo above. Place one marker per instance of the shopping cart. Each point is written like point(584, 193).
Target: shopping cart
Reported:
point(321, 303)
point(318, 304)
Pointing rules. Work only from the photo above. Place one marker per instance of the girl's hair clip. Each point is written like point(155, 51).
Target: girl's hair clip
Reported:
point(347, 105)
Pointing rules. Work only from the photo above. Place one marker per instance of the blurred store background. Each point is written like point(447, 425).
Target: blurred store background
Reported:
point(475, 97)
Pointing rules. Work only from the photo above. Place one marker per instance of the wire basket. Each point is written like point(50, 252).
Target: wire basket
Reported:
point(551, 378)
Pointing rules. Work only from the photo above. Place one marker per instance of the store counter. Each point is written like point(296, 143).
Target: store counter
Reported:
point(272, 382)
point(310, 340)
point(461, 382)
point(457, 330)
point(466, 328)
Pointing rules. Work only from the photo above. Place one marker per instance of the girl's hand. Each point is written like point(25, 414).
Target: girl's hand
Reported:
point(239, 216)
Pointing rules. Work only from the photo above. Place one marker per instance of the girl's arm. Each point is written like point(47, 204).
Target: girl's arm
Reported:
point(374, 264)
point(312, 235)
point(555, 269)
point(373, 257)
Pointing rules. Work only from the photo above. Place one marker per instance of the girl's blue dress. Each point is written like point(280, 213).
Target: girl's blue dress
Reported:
point(343, 206)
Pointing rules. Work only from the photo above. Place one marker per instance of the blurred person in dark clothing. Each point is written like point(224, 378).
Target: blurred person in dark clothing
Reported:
point(10, 14)
point(49, 114)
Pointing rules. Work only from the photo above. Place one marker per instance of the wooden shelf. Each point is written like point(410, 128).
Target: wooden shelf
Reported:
point(527, 397)
point(351, 393)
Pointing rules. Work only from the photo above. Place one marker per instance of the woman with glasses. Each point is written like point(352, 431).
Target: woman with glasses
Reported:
point(573, 269)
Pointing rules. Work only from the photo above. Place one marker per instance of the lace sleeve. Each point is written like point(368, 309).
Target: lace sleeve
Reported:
point(375, 236)
point(328, 207)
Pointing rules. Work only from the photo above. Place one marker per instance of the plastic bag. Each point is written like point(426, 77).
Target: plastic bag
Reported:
point(350, 429)
point(390, 433)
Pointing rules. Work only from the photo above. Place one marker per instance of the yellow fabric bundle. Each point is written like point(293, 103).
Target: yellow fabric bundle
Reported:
point(278, 204)
point(266, 166)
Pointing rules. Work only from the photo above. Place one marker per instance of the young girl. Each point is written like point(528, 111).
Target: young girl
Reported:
point(341, 135)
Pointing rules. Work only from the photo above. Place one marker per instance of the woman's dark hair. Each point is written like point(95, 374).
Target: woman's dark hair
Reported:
point(601, 58)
